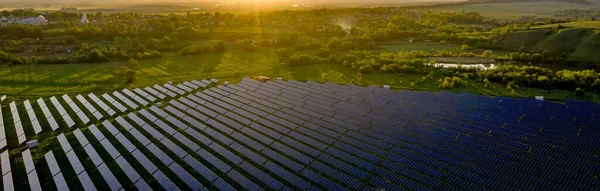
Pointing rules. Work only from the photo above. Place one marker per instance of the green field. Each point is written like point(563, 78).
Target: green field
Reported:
point(582, 24)
point(429, 47)
point(507, 10)
point(34, 81)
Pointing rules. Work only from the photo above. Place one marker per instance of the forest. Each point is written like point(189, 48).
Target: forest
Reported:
point(349, 37)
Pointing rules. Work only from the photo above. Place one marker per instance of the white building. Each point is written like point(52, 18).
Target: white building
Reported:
point(84, 18)
point(39, 20)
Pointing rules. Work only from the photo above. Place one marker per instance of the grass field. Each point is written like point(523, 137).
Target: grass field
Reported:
point(507, 10)
point(34, 81)
point(430, 47)
point(583, 25)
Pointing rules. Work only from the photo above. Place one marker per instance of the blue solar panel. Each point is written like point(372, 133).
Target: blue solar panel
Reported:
point(336, 175)
point(253, 133)
point(266, 131)
point(216, 162)
point(300, 146)
point(368, 166)
point(237, 118)
point(356, 151)
point(349, 169)
point(261, 176)
point(281, 121)
point(288, 117)
point(232, 102)
point(326, 183)
point(247, 141)
point(258, 109)
point(226, 153)
point(219, 126)
point(218, 136)
point(200, 168)
point(309, 141)
point(200, 137)
point(283, 160)
point(287, 176)
point(246, 114)
point(322, 130)
point(206, 111)
point(222, 185)
point(291, 152)
point(215, 108)
point(243, 181)
point(248, 153)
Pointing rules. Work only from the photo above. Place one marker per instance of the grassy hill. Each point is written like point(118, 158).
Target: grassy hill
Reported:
point(575, 43)
point(582, 25)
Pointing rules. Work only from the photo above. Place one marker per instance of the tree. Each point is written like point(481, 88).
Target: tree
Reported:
point(4, 56)
point(129, 70)
point(487, 54)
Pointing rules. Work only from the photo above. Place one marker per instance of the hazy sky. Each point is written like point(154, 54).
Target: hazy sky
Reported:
point(216, 1)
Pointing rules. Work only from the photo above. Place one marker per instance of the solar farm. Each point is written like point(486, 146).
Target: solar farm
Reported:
point(292, 135)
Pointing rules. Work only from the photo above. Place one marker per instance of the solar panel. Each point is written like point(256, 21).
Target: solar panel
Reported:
point(196, 100)
point(140, 122)
point(175, 122)
point(139, 136)
point(176, 112)
point(248, 153)
point(112, 151)
point(214, 161)
point(75, 163)
point(159, 112)
point(184, 88)
point(164, 158)
point(186, 177)
point(144, 161)
point(187, 142)
point(155, 93)
point(206, 81)
point(262, 176)
point(287, 176)
point(226, 153)
point(125, 100)
point(174, 148)
point(34, 182)
point(128, 169)
point(147, 115)
point(174, 89)
point(198, 83)
point(28, 160)
point(112, 128)
point(86, 181)
point(125, 142)
point(164, 181)
point(83, 117)
point(191, 85)
point(149, 129)
point(111, 100)
point(109, 177)
point(8, 181)
point(200, 168)
point(243, 181)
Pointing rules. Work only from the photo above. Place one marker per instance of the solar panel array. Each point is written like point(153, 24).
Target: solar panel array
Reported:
point(3, 142)
point(290, 135)
point(49, 117)
point(32, 177)
point(90, 108)
point(80, 171)
point(17, 122)
point(82, 116)
point(7, 179)
point(57, 176)
point(37, 128)
point(68, 120)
